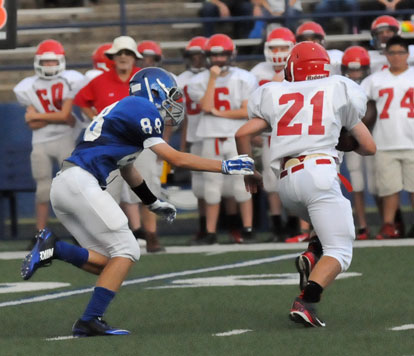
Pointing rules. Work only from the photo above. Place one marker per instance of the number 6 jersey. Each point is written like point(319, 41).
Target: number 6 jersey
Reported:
point(117, 135)
point(307, 116)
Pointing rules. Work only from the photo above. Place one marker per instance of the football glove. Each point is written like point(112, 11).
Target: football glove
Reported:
point(166, 210)
point(241, 164)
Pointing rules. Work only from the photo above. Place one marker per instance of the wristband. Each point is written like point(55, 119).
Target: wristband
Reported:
point(144, 193)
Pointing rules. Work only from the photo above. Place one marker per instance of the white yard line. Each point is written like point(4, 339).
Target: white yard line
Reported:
point(233, 332)
point(59, 338)
point(403, 327)
point(51, 296)
point(217, 248)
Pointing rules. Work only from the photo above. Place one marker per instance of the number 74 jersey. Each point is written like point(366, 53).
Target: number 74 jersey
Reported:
point(394, 99)
point(306, 117)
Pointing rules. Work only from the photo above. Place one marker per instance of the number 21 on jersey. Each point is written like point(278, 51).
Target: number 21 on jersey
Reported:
point(284, 127)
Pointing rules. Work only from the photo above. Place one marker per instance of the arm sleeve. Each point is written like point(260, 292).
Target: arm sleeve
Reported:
point(357, 104)
point(21, 94)
point(196, 88)
point(254, 107)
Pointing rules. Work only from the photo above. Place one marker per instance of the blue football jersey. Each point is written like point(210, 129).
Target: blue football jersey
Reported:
point(116, 136)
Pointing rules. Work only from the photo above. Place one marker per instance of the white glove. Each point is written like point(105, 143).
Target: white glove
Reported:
point(241, 164)
point(164, 209)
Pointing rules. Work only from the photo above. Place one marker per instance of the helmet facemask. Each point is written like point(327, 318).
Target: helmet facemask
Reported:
point(167, 101)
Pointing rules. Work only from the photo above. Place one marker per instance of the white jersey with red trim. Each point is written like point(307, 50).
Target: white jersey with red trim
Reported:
point(265, 73)
point(230, 92)
point(48, 96)
point(335, 55)
point(193, 109)
point(394, 99)
point(378, 61)
point(306, 117)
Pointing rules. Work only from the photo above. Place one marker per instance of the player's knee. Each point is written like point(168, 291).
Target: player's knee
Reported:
point(130, 250)
point(211, 195)
point(343, 255)
point(43, 190)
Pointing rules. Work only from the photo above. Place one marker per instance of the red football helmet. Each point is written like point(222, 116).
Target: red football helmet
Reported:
point(380, 23)
point(309, 31)
point(279, 37)
point(49, 50)
point(194, 54)
point(385, 21)
point(220, 44)
point(150, 48)
point(196, 45)
point(307, 61)
point(355, 58)
point(100, 60)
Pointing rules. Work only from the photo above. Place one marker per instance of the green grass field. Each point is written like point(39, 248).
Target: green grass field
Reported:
point(178, 302)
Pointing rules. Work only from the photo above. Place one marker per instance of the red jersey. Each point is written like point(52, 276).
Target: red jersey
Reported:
point(103, 90)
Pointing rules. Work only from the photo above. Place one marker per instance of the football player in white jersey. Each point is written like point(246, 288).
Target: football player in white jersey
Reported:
point(277, 47)
point(306, 117)
point(391, 94)
point(382, 29)
point(48, 97)
point(222, 92)
point(356, 66)
point(196, 62)
point(312, 31)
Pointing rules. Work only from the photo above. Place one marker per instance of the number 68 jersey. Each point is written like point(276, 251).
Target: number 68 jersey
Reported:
point(117, 136)
point(307, 116)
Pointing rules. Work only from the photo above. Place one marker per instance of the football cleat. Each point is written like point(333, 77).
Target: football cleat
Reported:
point(304, 265)
point(304, 313)
point(388, 231)
point(363, 234)
point(236, 236)
point(299, 238)
point(95, 327)
point(41, 255)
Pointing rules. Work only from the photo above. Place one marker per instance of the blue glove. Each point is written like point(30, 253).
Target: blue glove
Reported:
point(241, 164)
point(163, 209)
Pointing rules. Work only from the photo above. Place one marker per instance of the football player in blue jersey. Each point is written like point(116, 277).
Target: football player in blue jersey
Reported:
point(113, 140)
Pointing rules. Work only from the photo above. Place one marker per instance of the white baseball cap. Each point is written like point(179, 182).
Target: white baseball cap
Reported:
point(120, 43)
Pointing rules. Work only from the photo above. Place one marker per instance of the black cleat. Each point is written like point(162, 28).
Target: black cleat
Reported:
point(304, 313)
point(41, 255)
point(95, 327)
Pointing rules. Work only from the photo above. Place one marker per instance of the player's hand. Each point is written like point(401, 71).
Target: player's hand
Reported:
point(71, 121)
point(253, 182)
point(216, 112)
point(30, 114)
point(164, 209)
point(241, 165)
point(215, 71)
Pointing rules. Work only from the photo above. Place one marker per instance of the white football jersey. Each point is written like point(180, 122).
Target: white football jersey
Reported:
point(92, 74)
point(335, 55)
point(380, 62)
point(48, 96)
point(306, 117)
point(231, 90)
point(193, 109)
point(394, 99)
point(265, 73)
